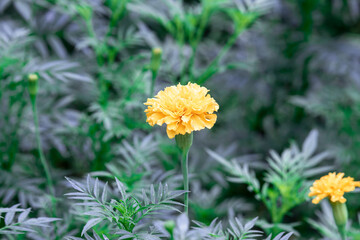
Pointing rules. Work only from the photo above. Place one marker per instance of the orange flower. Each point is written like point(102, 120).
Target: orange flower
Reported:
point(184, 108)
point(332, 186)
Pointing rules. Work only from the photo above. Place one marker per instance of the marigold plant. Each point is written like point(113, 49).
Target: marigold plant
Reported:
point(332, 186)
point(184, 108)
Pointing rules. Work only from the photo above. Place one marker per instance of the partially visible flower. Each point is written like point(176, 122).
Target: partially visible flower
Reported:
point(332, 186)
point(184, 108)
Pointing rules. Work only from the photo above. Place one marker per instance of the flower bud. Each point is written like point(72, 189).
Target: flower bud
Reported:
point(33, 84)
point(340, 215)
point(169, 226)
point(184, 142)
point(155, 59)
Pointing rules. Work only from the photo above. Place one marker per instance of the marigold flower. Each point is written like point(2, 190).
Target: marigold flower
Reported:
point(332, 186)
point(184, 108)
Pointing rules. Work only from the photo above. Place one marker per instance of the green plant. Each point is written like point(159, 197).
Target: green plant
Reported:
point(276, 68)
point(180, 230)
point(16, 221)
point(286, 179)
point(187, 26)
point(325, 224)
point(125, 214)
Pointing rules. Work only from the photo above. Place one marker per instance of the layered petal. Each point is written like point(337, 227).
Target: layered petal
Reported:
point(333, 186)
point(183, 108)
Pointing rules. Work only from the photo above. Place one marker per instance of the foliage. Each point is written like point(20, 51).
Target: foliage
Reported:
point(277, 68)
point(16, 221)
point(286, 178)
point(125, 214)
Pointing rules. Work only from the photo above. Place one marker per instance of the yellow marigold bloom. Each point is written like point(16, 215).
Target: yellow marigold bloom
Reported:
point(184, 108)
point(332, 186)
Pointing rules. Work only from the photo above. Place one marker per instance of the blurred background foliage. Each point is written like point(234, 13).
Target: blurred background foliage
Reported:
point(277, 68)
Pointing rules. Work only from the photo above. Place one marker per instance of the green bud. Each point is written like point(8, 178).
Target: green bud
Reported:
point(169, 226)
point(184, 142)
point(155, 59)
point(340, 215)
point(33, 84)
point(157, 51)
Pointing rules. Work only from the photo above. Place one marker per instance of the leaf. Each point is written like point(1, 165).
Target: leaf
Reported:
point(182, 222)
point(250, 224)
point(152, 194)
point(78, 77)
point(120, 186)
point(24, 9)
point(90, 224)
point(75, 185)
point(9, 217)
point(57, 46)
point(88, 184)
point(317, 159)
point(281, 236)
point(104, 193)
point(310, 143)
point(24, 215)
point(4, 4)
point(21, 229)
point(96, 188)
point(314, 171)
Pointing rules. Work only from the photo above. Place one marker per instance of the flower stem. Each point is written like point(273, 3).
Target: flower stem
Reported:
point(39, 146)
point(185, 170)
point(154, 66)
point(184, 143)
point(213, 66)
point(153, 80)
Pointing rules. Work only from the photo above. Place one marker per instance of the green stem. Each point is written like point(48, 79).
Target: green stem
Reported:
point(182, 64)
point(202, 25)
point(39, 146)
point(196, 41)
point(184, 143)
point(185, 170)
point(213, 66)
point(340, 216)
point(15, 143)
point(153, 80)
point(191, 63)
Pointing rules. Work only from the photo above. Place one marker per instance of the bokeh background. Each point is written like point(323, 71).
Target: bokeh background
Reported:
point(279, 69)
